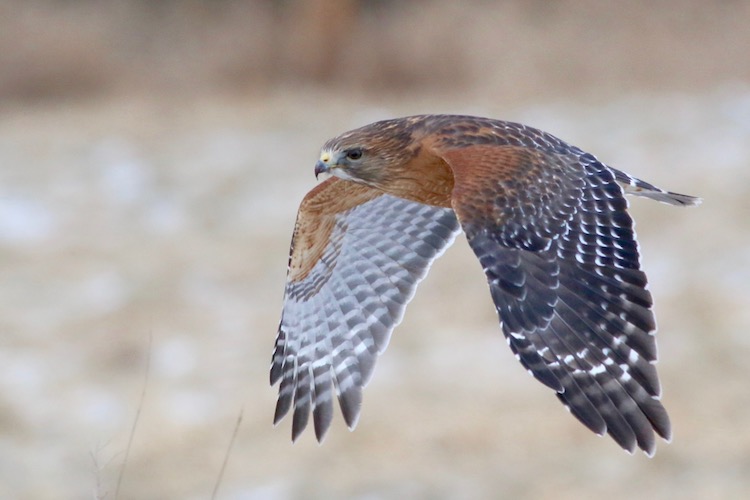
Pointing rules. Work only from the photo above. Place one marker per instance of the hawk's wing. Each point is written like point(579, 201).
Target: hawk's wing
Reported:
point(357, 256)
point(551, 230)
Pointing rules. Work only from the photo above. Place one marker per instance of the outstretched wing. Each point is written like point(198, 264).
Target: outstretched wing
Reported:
point(357, 256)
point(550, 228)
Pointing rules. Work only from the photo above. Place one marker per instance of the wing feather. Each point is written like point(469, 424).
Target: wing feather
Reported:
point(357, 256)
point(550, 227)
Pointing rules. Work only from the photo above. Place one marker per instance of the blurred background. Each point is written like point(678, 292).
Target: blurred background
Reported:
point(152, 158)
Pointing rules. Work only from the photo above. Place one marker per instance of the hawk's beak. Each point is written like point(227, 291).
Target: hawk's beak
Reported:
point(321, 168)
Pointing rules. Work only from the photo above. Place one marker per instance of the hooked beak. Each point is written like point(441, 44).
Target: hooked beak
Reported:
point(321, 168)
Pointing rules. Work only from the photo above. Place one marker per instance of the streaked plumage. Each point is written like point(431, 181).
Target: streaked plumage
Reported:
point(550, 226)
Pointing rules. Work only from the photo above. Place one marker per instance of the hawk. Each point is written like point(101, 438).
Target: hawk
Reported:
point(550, 227)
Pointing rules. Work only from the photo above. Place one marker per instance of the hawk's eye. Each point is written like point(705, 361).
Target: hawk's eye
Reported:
point(354, 154)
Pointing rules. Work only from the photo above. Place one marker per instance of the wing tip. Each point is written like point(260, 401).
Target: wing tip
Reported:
point(299, 421)
point(322, 418)
point(351, 403)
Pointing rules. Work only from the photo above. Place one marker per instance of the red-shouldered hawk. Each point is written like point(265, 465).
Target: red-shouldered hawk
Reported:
point(550, 226)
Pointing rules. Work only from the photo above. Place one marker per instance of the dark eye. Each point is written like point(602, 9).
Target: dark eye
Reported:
point(354, 154)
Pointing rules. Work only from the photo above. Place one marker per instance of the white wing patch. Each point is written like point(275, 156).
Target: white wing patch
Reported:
point(339, 317)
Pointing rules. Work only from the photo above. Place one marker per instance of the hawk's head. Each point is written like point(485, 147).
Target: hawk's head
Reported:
point(346, 162)
point(370, 154)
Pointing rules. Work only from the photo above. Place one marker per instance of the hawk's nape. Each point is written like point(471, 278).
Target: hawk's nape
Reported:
point(549, 225)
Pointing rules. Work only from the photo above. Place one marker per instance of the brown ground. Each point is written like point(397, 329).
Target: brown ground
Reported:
point(145, 217)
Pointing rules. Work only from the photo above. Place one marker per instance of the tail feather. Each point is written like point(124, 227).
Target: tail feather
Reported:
point(637, 187)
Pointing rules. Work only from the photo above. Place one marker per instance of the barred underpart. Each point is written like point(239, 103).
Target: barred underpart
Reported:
point(328, 341)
